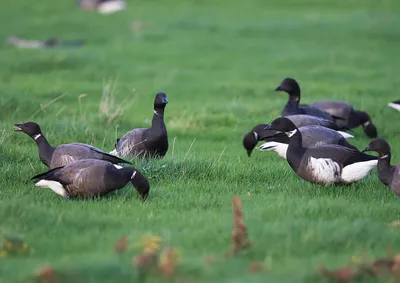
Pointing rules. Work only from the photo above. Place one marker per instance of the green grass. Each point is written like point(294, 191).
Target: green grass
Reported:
point(218, 62)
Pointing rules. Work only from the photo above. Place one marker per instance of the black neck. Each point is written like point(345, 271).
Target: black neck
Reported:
point(295, 150)
point(385, 170)
point(126, 173)
point(158, 119)
point(292, 105)
point(45, 149)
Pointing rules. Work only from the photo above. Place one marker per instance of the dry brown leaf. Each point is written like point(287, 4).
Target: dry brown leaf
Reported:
point(121, 245)
point(239, 234)
point(47, 274)
point(343, 274)
point(145, 260)
point(168, 261)
point(256, 267)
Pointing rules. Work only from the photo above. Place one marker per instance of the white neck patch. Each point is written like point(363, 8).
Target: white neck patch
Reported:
point(35, 137)
point(291, 133)
point(155, 112)
point(255, 135)
point(366, 123)
point(133, 175)
point(385, 156)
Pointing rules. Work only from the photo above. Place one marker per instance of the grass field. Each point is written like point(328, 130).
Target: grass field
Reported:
point(218, 62)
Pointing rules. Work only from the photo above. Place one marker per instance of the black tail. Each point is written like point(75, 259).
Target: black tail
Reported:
point(114, 159)
point(49, 175)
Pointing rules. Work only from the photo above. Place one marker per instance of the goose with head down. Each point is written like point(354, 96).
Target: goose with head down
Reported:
point(311, 136)
point(325, 164)
point(388, 174)
point(351, 118)
point(259, 133)
point(91, 178)
point(63, 154)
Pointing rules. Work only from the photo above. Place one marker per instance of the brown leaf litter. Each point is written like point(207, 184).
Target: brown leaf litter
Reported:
point(388, 266)
point(239, 234)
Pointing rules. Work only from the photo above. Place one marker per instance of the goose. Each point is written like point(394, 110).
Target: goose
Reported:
point(395, 105)
point(388, 174)
point(292, 107)
point(251, 138)
point(311, 136)
point(63, 154)
point(91, 178)
point(352, 118)
point(146, 142)
point(325, 164)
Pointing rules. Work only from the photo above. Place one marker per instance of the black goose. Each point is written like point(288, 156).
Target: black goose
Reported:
point(351, 118)
point(395, 105)
point(91, 178)
point(63, 154)
point(388, 174)
point(146, 142)
point(311, 136)
point(326, 164)
point(251, 139)
point(292, 107)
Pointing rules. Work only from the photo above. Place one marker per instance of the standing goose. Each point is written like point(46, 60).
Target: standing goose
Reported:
point(395, 105)
point(146, 142)
point(388, 174)
point(292, 107)
point(251, 139)
point(311, 136)
point(63, 154)
point(351, 118)
point(326, 164)
point(90, 178)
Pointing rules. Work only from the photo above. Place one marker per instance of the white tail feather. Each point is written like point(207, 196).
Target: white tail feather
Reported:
point(345, 135)
point(52, 185)
point(394, 106)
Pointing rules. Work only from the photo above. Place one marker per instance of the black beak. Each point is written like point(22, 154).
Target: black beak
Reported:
point(165, 100)
point(278, 88)
point(366, 149)
point(17, 127)
point(249, 151)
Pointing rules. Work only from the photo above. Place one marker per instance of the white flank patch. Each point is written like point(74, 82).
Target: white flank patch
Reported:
point(35, 137)
point(324, 170)
point(356, 171)
point(133, 175)
point(280, 148)
point(114, 152)
point(291, 133)
point(394, 106)
point(111, 7)
point(117, 166)
point(345, 135)
point(52, 185)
